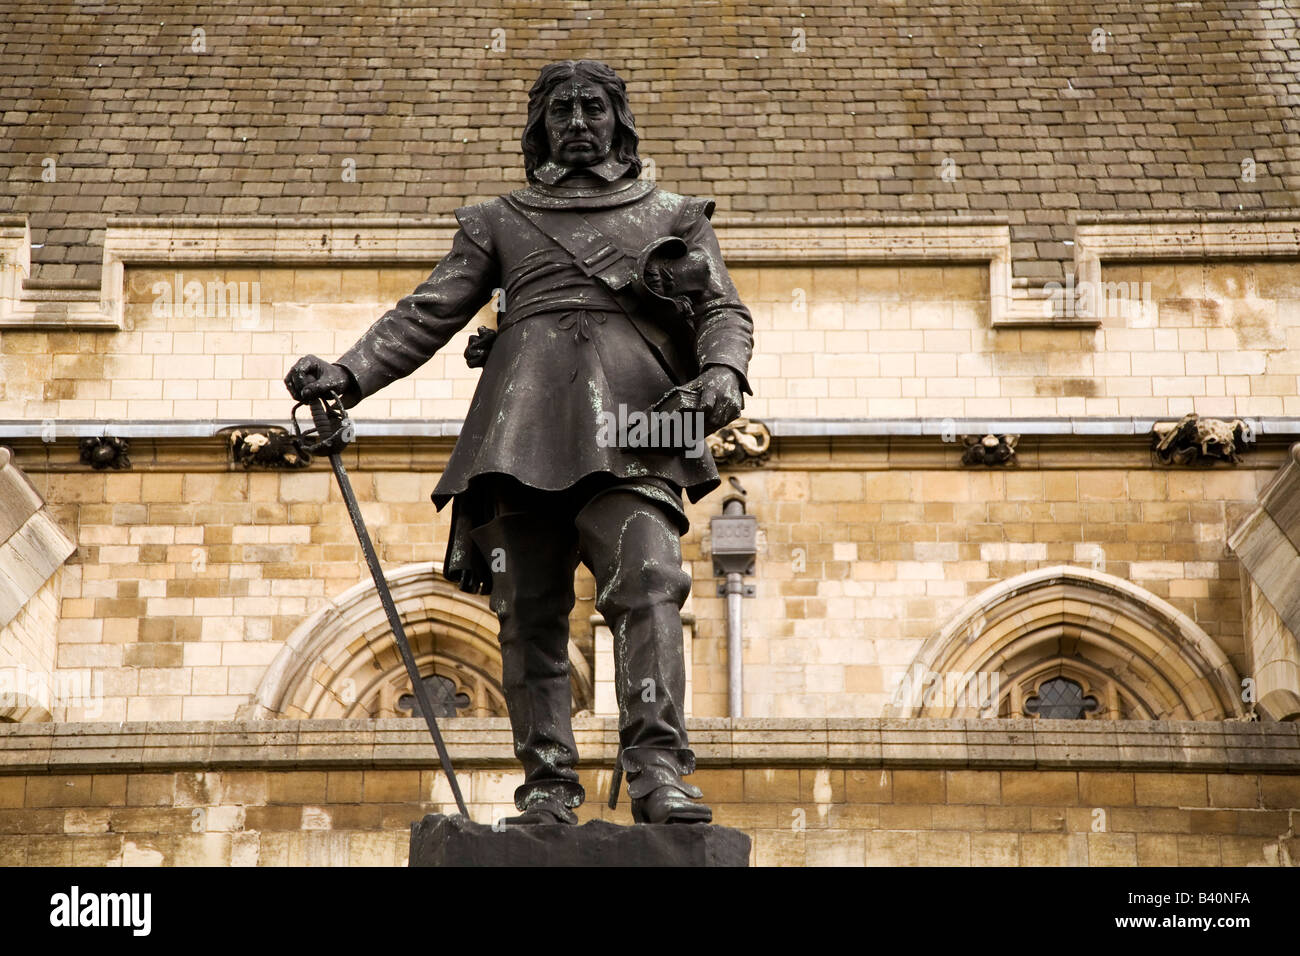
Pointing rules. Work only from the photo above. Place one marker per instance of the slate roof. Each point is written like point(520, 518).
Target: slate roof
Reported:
point(1041, 127)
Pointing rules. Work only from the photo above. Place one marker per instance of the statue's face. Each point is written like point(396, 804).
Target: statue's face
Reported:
point(579, 123)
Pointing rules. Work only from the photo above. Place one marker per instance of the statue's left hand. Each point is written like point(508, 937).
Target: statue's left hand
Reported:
point(721, 396)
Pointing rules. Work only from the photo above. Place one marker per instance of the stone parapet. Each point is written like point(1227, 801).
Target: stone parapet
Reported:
point(719, 742)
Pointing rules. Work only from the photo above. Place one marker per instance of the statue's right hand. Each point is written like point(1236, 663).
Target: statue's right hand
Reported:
point(480, 344)
point(312, 376)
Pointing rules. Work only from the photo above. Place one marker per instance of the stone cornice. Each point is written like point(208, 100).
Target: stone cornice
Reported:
point(1266, 427)
point(744, 243)
point(1192, 238)
point(900, 239)
point(801, 444)
point(1150, 746)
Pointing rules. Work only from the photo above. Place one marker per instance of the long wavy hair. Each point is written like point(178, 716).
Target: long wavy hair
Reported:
point(537, 148)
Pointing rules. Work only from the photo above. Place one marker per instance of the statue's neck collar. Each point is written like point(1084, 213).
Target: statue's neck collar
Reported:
point(609, 169)
point(592, 196)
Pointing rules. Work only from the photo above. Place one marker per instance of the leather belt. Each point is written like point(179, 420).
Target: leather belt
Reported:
point(514, 318)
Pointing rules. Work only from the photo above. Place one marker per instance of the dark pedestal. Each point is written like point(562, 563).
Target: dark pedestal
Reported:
point(439, 840)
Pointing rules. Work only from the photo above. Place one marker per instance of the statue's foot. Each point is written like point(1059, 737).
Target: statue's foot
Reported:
point(542, 813)
point(667, 804)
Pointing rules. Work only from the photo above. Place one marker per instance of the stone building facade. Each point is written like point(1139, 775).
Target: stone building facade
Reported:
point(1012, 605)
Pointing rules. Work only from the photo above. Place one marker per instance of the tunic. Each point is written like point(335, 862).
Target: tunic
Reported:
point(566, 352)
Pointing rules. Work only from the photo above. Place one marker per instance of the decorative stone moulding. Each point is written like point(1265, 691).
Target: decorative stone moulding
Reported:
point(1268, 545)
point(70, 307)
point(32, 545)
point(104, 452)
point(743, 442)
point(989, 450)
point(943, 239)
point(265, 446)
point(1193, 440)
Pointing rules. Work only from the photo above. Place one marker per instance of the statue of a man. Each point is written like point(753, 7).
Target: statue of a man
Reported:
point(614, 301)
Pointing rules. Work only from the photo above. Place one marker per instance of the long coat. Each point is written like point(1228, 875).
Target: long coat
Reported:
point(566, 350)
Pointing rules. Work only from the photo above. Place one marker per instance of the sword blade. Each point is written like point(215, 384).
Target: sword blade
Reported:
point(420, 689)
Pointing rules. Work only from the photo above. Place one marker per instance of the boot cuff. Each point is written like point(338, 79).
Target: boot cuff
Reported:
point(561, 791)
point(649, 768)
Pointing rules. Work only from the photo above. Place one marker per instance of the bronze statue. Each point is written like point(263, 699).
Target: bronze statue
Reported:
point(615, 303)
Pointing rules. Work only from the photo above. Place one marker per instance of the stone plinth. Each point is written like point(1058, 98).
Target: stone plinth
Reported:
point(440, 840)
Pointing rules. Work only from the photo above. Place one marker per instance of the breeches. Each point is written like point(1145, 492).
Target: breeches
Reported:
point(628, 536)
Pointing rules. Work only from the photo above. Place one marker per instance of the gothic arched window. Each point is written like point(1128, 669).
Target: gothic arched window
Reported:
point(1060, 699)
point(1069, 643)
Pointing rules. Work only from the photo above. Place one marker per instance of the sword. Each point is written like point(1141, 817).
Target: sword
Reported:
point(617, 782)
point(333, 432)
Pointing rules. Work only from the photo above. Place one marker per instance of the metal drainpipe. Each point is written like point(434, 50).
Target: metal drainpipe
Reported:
point(735, 622)
point(734, 547)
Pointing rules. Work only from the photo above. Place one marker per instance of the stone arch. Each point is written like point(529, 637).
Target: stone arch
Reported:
point(343, 661)
point(1147, 659)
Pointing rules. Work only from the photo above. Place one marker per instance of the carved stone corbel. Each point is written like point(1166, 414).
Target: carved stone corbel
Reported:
point(744, 442)
point(1193, 440)
point(102, 452)
point(989, 450)
point(266, 446)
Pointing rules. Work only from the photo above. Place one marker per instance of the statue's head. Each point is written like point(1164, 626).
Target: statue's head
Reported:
point(577, 116)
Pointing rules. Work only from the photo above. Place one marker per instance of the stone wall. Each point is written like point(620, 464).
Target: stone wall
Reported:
point(837, 792)
point(832, 341)
point(189, 575)
point(869, 554)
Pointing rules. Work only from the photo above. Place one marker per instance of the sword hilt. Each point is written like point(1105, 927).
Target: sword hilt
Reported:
point(333, 431)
